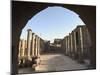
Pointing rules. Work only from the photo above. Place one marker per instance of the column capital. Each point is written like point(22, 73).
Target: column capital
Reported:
point(33, 33)
point(36, 35)
point(29, 30)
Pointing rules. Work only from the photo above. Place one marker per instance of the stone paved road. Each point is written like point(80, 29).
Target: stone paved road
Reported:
point(58, 62)
point(25, 70)
point(54, 62)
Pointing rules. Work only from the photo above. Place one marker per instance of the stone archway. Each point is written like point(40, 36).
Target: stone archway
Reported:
point(23, 11)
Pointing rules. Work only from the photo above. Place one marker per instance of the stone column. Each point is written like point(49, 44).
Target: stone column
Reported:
point(22, 51)
point(68, 46)
point(81, 46)
point(75, 45)
point(81, 39)
point(89, 43)
point(33, 44)
point(36, 45)
point(25, 54)
point(71, 47)
point(23, 48)
point(38, 53)
point(29, 37)
point(19, 53)
point(66, 43)
point(19, 49)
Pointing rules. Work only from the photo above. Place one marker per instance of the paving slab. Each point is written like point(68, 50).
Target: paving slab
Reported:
point(58, 62)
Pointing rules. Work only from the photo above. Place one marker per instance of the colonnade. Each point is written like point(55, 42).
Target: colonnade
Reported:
point(30, 47)
point(77, 44)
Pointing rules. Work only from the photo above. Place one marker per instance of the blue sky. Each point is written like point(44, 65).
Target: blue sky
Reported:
point(52, 22)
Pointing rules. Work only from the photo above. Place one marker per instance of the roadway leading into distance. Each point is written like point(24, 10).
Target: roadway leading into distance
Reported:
point(55, 62)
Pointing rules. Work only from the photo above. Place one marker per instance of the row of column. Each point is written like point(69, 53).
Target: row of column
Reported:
point(30, 47)
point(33, 45)
point(78, 43)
